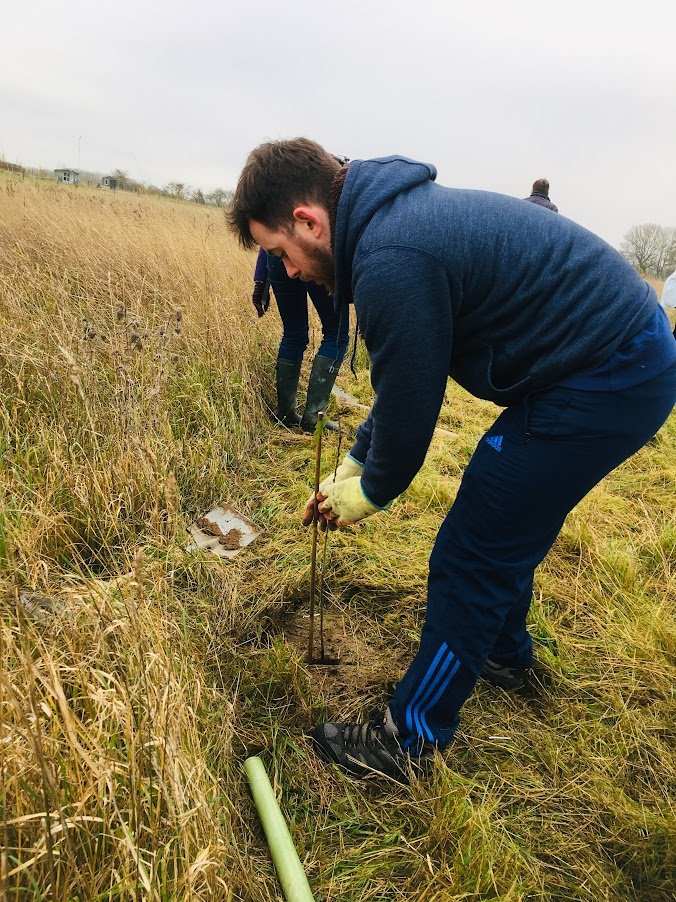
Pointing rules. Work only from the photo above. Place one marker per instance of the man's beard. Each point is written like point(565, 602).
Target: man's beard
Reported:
point(321, 261)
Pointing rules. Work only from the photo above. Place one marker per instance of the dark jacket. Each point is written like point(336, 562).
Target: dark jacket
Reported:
point(469, 284)
point(542, 201)
point(261, 268)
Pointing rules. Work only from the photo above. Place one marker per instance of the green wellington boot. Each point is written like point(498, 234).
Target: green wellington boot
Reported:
point(287, 373)
point(319, 386)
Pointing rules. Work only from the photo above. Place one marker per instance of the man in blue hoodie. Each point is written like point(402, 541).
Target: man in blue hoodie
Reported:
point(531, 312)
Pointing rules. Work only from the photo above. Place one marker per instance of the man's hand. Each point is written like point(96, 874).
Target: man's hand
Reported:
point(312, 510)
point(261, 297)
point(349, 467)
point(345, 503)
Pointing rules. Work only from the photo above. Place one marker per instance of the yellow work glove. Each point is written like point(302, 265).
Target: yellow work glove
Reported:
point(349, 467)
point(346, 503)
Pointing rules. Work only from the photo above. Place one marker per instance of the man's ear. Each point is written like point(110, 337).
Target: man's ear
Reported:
point(311, 218)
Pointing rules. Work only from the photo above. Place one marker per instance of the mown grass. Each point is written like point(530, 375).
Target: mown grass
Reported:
point(134, 389)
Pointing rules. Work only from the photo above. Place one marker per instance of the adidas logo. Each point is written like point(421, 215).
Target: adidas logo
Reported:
point(495, 441)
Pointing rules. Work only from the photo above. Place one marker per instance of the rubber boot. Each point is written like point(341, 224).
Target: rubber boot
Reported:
point(287, 373)
point(319, 386)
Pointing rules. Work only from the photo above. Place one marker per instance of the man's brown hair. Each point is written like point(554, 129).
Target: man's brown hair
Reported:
point(541, 186)
point(277, 177)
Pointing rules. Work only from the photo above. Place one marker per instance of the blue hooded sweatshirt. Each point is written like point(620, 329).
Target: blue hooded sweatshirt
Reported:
point(473, 285)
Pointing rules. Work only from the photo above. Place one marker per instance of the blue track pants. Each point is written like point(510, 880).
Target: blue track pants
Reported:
point(534, 464)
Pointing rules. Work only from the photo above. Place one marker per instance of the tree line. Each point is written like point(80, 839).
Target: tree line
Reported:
point(219, 197)
point(651, 249)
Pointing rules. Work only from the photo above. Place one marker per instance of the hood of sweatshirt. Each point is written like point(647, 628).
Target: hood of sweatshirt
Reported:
point(375, 183)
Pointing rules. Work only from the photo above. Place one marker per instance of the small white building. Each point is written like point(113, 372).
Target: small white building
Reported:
point(69, 176)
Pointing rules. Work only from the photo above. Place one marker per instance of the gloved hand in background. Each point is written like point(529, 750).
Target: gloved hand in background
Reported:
point(349, 467)
point(261, 296)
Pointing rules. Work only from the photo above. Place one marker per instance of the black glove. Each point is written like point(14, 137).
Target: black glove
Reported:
point(261, 296)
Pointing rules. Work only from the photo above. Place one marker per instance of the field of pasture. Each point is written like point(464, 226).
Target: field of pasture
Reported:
point(135, 677)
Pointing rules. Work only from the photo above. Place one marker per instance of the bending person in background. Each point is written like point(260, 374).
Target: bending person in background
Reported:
point(291, 294)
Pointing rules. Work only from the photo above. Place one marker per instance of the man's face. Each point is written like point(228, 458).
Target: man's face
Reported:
point(305, 249)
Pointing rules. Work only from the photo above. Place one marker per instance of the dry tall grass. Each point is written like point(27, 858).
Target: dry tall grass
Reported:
point(133, 379)
point(130, 380)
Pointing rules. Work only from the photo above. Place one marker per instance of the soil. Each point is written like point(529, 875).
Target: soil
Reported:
point(355, 664)
point(232, 539)
point(209, 527)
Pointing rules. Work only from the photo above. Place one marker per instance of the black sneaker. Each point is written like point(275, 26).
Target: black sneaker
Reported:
point(369, 750)
point(509, 678)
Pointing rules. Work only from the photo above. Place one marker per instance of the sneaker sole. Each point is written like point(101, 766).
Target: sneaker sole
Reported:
point(507, 685)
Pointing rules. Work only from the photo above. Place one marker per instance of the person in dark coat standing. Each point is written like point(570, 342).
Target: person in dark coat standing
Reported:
point(540, 195)
point(292, 295)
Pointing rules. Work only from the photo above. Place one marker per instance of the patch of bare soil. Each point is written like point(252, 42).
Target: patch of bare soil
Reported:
point(366, 665)
point(232, 539)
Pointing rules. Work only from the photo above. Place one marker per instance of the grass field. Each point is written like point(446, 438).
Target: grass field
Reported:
point(135, 384)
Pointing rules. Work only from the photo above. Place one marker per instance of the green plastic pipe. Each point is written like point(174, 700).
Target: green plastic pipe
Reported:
point(289, 869)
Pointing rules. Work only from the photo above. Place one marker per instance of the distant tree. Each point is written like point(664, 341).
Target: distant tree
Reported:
point(10, 167)
point(176, 189)
point(89, 177)
point(649, 247)
point(198, 197)
point(671, 254)
point(219, 197)
point(122, 179)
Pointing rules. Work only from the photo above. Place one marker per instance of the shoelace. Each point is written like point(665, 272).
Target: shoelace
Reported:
point(356, 734)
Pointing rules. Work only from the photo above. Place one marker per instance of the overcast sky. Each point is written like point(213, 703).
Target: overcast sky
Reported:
point(494, 93)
